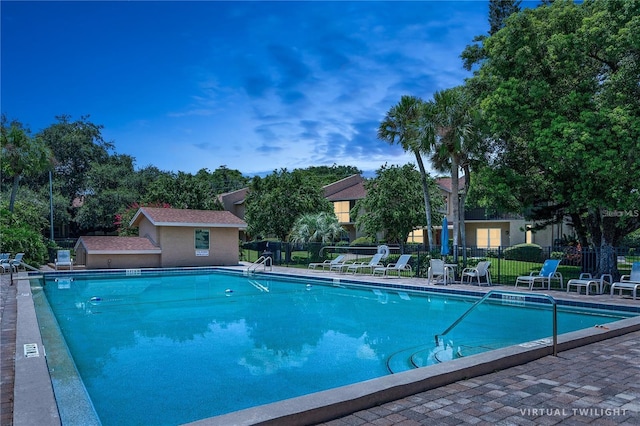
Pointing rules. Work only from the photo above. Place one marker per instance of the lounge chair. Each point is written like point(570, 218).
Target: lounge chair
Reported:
point(4, 261)
point(586, 281)
point(401, 265)
point(327, 263)
point(546, 274)
point(481, 270)
point(64, 259)
point(373, 263)
point(629, 282)
point(16, 262)
point(436, 272)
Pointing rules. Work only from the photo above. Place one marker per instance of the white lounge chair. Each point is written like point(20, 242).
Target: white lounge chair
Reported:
point(373, 263)
point(327, 263)
point(587, 282)
point(479, 271)
point(629, 282)
point(546, 274)
point(13, 264)
point(4, 261)
point(401, 265)
point(64, 259)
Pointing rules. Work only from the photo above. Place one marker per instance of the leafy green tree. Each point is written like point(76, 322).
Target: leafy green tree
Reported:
point(21, 154)
point(394, 204)
point(401, 125)
point(562, 98)
point(227, 180)
point(499, 11)
point(324, 175)
point(76, 146)
point(183, 191)
point(110, 187)
point(273, 203)
point(319, 227)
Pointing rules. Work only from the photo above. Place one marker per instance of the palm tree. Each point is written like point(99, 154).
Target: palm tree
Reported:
point(22, 154)
point(400, 125)
point(320, 227)
point(450, 122)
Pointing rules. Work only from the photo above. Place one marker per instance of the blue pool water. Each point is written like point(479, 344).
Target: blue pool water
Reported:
point(169, 349)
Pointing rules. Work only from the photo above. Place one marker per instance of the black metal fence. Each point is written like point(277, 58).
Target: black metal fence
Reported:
point(507, 263)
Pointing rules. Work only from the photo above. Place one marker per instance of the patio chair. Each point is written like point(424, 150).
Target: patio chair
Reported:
point(373, 263)
point(401, 265)
point(64, 259)
point(4, 261)
point(436, 271)
point(546, 274)
point(629, 282)
point(13, 264)
point(479, 271)
point(327, 263)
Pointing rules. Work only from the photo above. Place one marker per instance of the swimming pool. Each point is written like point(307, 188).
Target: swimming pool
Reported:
point(169, 349)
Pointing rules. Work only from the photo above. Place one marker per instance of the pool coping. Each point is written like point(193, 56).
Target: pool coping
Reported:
point(35, 403)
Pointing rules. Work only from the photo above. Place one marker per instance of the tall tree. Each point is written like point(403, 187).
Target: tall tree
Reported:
point(273, 203)
point(393, 204)
point(499, 11)
point(21, 154)
point(562, 96)
point(450, 120)
point(401, 125)
point(110, 187)
point(76, 145)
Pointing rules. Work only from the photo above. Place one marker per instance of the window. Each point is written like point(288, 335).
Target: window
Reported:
point(416, 236)
point(528, 235)
point(488, 237)
point(202, 239)
point(341, 209)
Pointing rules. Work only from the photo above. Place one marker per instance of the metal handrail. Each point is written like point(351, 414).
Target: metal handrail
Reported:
point(262, 260)
point(514, 293)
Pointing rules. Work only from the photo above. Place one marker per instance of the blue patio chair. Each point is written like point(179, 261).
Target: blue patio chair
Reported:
point(546, 274)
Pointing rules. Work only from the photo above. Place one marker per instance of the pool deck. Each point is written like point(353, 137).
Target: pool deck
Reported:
point(597, 382)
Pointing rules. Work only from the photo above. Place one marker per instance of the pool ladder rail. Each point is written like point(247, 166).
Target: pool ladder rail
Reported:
point(265, 261)
point(509, 294)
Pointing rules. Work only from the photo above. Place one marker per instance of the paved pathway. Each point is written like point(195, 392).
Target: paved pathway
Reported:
point(8, 318)
point(597, 384)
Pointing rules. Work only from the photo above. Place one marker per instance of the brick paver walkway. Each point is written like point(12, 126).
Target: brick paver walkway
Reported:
point(597, 384)
point(8, 317)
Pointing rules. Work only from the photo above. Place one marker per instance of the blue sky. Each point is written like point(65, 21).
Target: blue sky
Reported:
point(254, 86)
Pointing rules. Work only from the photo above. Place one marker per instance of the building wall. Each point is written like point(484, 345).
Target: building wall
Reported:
point(122, 261)
point(178, 247)
point(147, 229)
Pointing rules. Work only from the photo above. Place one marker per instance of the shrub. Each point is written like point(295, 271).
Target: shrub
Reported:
point(524, 253)
point(362, 241)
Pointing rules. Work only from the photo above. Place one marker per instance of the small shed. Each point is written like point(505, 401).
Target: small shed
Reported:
point(168, 238)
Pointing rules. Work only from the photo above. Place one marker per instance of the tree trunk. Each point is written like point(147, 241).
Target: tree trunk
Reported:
point(463, 199)
point(455, 205)
point(427, 199)
point(14, 192)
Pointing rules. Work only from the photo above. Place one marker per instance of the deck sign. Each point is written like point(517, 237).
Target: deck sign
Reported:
point(202, 253)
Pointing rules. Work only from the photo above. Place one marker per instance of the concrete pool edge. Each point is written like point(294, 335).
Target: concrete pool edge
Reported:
point(306, 409)
point(334, 403)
